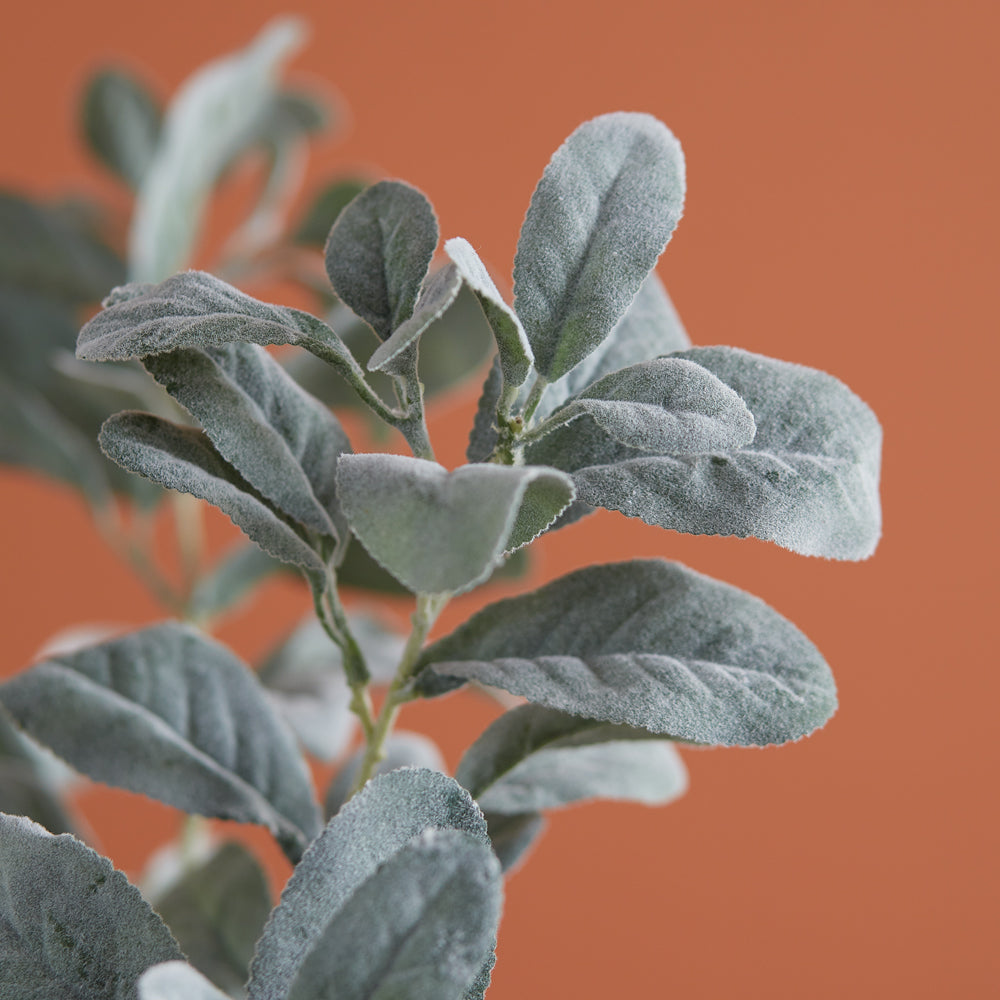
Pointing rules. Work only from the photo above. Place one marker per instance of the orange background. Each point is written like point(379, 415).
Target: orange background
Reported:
point(842, 213)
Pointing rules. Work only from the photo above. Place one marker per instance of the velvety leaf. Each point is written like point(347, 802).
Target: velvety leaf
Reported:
point(653, 645)
point(121, 123)
point(283, 441)
point(402, 750)
point(70, 924)
point(513, 836)
point(172, 714)
point(438, 531)
point(176, 981)
point(380, 820)
point(216, 114)
point(418, 928)
point(359, 569)
point(600, 217)
point(512, 342)
point(216, 912)
point(533, 758)
point(232, 580)
point(667, 405)
point(326, 208)
point(378, 253)
point(182, 458)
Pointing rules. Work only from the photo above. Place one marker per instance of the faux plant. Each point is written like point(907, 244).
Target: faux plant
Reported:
point(594, 398)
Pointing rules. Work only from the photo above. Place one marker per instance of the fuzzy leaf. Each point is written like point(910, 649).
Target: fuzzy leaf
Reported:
point(283, 441)
point(380, 820)
point(216, 912)
point(418, 928)
point(121, 123)
point(171, 714)
point(379, 251)
point(436, 530)
point(533, 758)
point(325, 210)
point(512, 342)
point(653, 645)
point(176, 981)
point(216, 115)
point(70, 924)
point(513, 836)
point(600, 217)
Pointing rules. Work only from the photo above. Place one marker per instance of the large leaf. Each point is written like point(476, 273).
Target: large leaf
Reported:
point(378, 822)
point(809, 481)
point(176, 981)
point(649, 644)
point(379, 251)
point(533, 758)
point(439, 531)
point(418, 928)
point(216, 912)
point(182, 458)
point(174, 715)
point(600, 217)
point(283, 441)
point(70, 924)
point(215, 115)
point(121, 123)
point(667, 405)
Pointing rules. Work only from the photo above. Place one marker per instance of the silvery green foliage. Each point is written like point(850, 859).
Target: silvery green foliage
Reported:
point(176, 981)
point(232, 580)
point(174, 715)
point(437, 531)
point(70, 924)
point(533, 758)
point(653, 645)
point(374, 826)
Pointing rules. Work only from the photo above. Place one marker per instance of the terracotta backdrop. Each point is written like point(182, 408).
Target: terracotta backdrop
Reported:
point(842, 213)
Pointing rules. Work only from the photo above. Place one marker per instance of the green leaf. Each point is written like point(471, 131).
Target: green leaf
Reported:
point(512, 342)
point(600, 217)
point(283, 441)
point(808, 482)
point(326, 208)
point(439, 531)
point(121, 123)
point(216, 912)
point(379, 251)
point(533, 758)
point(402, 750)
point(483, 437)
point(182, 458)
point(667, 405)
point(377, 823)
point(232, 580)
point(215, 116)
point(70, 924)
point(653, 645)
point(418, 928)
point(176, 981)
point(513, 836)
point(171, 714)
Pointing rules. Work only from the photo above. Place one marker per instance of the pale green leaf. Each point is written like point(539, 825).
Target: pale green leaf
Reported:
point(174, 715)
point(653, 645)
point(71, 925)
point(176, 981)
point(232, 580)
point(600, 217)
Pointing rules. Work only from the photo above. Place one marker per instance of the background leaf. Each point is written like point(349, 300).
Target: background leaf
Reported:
point(176, 981)
point(512, 836)
point(232, 580)
point(325, 209)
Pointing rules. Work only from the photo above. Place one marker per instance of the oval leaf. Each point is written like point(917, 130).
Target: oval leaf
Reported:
point(600, 217)
point(173, 715)
point(439, 531)
point(70, 924)
point(176, 981)
point(649, 644)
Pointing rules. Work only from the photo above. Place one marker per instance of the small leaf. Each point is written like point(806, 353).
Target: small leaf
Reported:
point(512, 342)
point(216, 912)
point(379, 251)
point(454, 345)
point(121, 123)
point(419, 927)
point(378, 822)
point(533, 758)
point(653, 645)
point(513, 836)
point(600, 217)
point(232, 580)
point(70, 924)
point(483, 437)
point(438, 531)
point(667, 405)
point(283, 441)
point(182, 458)
point(326, 208)
point(171, 714)
point(176, 981)
point(214, 117)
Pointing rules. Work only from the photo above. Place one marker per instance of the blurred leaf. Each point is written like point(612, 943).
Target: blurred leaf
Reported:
point(176, 981)
point(326, 208)
point(513, 836)
point(232, 580)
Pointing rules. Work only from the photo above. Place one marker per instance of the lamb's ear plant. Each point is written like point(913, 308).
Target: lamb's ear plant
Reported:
point(594, 398)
